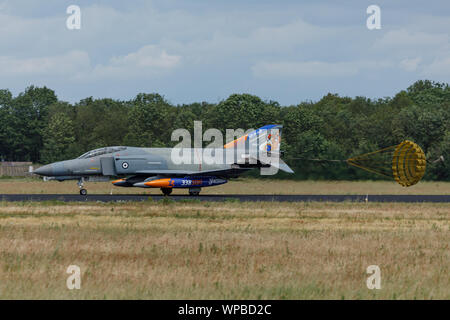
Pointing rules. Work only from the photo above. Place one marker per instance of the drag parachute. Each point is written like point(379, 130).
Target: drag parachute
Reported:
point(405, 162)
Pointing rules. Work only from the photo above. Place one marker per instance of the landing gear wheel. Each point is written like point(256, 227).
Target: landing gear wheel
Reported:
point(194, 191)
point(80, 183)
point(166, 191)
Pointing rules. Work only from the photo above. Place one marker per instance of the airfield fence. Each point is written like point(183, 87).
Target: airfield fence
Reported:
point(15, 169)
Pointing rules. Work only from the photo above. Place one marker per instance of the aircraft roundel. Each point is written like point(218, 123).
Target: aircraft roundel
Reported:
point(125, 165)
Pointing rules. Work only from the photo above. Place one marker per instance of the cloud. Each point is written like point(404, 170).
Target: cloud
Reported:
point(315, 69)
point(76, 64)
point(260, 39)
point(402, 38)
point(432, 50)
point(123, 48)
point(410, 64)
point(148, 60)
point(439, 67)
point(67, 64)
point(147, 56)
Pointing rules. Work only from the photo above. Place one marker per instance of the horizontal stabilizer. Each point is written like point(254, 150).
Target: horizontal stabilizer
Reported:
point(280, 164)
point(284, 167)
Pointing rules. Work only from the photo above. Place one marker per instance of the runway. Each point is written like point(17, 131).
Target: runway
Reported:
point(230, 197)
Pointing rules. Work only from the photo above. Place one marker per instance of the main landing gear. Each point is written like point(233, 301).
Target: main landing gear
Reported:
point(80, 183)
point(194, 191)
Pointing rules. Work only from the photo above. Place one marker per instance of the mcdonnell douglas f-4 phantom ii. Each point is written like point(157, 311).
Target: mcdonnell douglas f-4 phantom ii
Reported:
point(158, 168)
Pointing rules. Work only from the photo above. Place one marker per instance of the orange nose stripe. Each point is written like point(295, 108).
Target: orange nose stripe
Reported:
point(160, 183)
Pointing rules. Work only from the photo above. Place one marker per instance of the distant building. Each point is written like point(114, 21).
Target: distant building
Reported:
point(15, 169)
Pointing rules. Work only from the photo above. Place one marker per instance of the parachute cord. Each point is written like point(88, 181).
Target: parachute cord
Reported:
point(309, 159)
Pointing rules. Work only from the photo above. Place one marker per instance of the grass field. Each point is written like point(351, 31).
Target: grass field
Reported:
point(229, 250)
point(240, 186)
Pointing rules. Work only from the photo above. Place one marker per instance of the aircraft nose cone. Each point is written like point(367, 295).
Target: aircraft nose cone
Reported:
point(44, 170)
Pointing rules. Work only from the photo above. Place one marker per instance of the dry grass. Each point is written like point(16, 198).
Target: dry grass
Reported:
point(225, 250)
point(242, 186)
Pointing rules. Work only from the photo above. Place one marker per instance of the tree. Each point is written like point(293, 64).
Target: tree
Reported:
point(26, 120)
point(244, 111)
point(5, 125)
point(425, 126)
point(36, 126)
point(58, 137)
point(426, 92)
point(151, 118)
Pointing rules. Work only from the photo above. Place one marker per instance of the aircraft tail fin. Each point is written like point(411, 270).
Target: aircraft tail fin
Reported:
point(262, 141)
point(266, 138)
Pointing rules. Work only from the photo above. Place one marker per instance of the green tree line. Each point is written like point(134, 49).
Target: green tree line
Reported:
point(36, 126)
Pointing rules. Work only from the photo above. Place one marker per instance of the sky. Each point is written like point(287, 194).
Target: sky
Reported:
point(205, 50)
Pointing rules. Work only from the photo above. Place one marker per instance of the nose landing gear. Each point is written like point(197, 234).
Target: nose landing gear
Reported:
point(80, 183)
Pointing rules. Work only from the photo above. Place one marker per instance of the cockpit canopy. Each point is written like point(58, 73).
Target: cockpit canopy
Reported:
point(100, 151)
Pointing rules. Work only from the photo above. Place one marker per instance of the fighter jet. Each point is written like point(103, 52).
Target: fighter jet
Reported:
point(162, 168)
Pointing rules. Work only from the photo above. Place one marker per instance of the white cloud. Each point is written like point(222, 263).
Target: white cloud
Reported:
point(260, 39)
point(431, 50)
point(148, 60)
point(439, 67)
point(303, 69)
point(76, 64)
point(147, 56)
point(405, 39)
point(67, 64)
point(226, 47)
point(315, 69)
point(410, 64)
